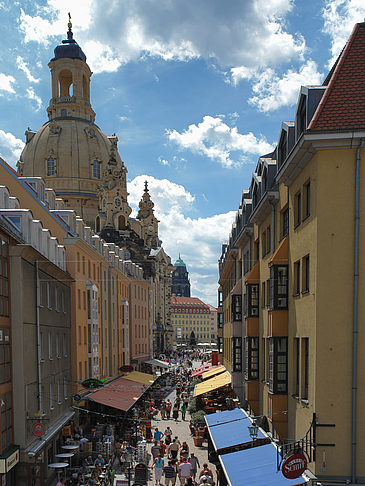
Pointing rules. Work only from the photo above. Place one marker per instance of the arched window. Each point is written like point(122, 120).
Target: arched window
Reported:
point(121, 222)
point(65, 83)
point(51, 166)
point(63, 112)
point(96, 169)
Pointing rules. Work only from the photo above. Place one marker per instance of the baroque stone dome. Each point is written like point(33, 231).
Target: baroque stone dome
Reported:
point(70, 152)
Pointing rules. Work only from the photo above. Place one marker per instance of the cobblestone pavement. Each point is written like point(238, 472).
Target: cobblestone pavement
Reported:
point(181, 429)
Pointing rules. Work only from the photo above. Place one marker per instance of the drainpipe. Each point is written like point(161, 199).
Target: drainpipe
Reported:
point(273, 233)
point(355, 312)
point(39, 354)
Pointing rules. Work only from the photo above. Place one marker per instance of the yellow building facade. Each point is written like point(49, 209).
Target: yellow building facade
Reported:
point(298, 240)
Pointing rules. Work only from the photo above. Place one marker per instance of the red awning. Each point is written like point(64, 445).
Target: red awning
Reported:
point(253, 277)
point(202, 370)
point(281, 254)
point(120, 394)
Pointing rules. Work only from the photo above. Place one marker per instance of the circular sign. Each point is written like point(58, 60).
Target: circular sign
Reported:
point(38, 429)
point(294, 466)
point(126, 368)
point(92, 383)
point(77, 398)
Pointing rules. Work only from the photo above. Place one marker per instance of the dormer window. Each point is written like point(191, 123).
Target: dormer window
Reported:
point(96, 169)
point(302, 116)
point(51, 166)
point(283, 148)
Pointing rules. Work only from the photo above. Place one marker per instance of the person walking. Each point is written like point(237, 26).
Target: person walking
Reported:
point(184, 451)
point(158, 465)
point(175, 412)
point(184, 471)
point(169, 473)
point(168, 408)
point(168, 434)
point(163, 410)
point(183, 410)
point(194, 461)
point(157, 435)
point(173, 449)
point(155, 449)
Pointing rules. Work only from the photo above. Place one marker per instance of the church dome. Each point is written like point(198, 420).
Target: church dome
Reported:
point(179, 262)
point(70, 152)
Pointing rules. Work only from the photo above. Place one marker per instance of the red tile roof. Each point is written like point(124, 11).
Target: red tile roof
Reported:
point(343, 104)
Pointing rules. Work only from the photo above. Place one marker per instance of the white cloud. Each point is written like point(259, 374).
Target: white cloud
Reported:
point(23, 66)
point(167, 195)
point(179, 30)
point(10, 147)
point(199, 240)
point(272, 91)
point(340, 16)
point(163, 161)
point(6, 83)
point(34, 97)
point(219, 142)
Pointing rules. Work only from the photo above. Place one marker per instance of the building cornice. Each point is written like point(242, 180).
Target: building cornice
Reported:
point(263, 209)
point(309, 144)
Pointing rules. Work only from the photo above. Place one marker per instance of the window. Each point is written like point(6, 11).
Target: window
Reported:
point(236, 307)
point(63, 308)
point(305, 274)
point(6, 420)
point(252, 300)
point(51, 166)
point(278, 287)
point(285, 222)
point(41, 346)
point(282, 149)
point(50, 355)
point(58, 346)
point(63, 112)
point(297, 277)
point(237, 353)
point(263, 294)
point(65, 387)
point(267, 240)
point(267, 293)
point(307, 200)
point(305, 368)
point(49, 301)
point(4, 283)
point(51, 396)
point(58, 393)
point(278, 365)
point(297, 209)
point(64, 345)
point(252, 358)
point(5, 357)
point(56, 299)
point(297, 365)
point(96, 169)
point(220, 320)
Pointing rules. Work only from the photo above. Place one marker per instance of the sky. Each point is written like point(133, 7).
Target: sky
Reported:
point(196, 91)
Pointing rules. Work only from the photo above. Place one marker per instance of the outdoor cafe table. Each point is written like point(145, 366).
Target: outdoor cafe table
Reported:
point(70, 447)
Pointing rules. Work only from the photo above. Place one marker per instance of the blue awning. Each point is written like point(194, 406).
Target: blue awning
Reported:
point(229, 428)
point(255, 467)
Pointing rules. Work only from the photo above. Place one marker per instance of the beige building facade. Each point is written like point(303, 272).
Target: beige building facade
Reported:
point(302, 283)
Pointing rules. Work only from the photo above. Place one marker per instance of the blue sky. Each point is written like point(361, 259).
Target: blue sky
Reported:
point(195, 90)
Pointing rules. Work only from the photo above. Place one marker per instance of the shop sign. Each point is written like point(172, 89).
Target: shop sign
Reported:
point(294, 466)
point(126, 368)
point(9, 462)
point(38, 429)
point(92, 383)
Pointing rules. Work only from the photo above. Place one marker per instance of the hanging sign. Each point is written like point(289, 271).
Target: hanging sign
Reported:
point(92, 383)
point(294, 466)
point(38, 429)
point(126, 368)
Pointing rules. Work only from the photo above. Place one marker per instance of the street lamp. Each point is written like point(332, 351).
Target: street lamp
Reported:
point(253, 430)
